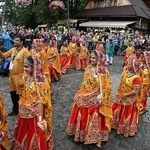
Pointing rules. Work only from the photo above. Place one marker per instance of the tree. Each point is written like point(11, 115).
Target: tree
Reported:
point(38, 12)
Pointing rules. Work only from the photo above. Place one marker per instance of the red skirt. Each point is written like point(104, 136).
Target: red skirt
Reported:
point(88, 125)
point(81, 64)
point(125, 60)
point(64, 59)
point(54, 74)
point(145, 95)
point(28, 136)
point(125, 119)
point(72, 63)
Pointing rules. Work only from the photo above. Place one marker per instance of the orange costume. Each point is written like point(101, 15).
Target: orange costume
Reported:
point(90, 123)
point(126, 105)
point(28, 134)
point(146, 79)
point(54, 62)
point(38, 50)
point(4, 143)
point(99, 47)
point(128, 53)
point(64, 58)
point(72, 58)
point(82, 58)
point(16, 73)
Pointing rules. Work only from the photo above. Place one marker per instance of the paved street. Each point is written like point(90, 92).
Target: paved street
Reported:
point(62, 99)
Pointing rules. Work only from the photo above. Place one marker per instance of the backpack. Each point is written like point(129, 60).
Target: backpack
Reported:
point(4, 67)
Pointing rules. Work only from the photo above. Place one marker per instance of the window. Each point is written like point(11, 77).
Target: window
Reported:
point(102, 3)
point(96, 4)
point(109, 3)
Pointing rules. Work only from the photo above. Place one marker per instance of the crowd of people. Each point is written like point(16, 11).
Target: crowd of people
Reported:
point(39, 57)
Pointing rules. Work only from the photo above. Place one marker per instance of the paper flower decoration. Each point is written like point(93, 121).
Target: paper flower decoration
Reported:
point(56, 4)
point(23, 2)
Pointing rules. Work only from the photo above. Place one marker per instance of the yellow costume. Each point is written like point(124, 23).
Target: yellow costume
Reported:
point(127, 104)
point(4, 143)
point(91, 113)
point(39, 50)
point(17, 58)
point(30, 132)
point(82, 58)
point(72, 58)
point(54, 62)
point(64, 58)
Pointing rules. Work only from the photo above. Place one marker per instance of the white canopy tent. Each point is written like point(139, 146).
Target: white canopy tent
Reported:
point(112, 24)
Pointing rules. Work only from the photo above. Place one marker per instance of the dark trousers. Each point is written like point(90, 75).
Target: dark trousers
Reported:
point(15, 99)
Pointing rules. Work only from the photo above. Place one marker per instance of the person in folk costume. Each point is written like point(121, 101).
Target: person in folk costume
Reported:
point(82, 56)
point(99, 46)
point(54, 61)
point(33, 128)
point(4, 143)
point(126, 105)
point(100, 49)
point(64, 57)
point(91, 113)
point(72, 50)
point(128, 52)
point(145, 82)
point(139, 58)
point(38, 49)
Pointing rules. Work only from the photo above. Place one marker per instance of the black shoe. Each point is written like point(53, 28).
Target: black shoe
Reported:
point(110, 63)
point(13, 114)
point(143, 111)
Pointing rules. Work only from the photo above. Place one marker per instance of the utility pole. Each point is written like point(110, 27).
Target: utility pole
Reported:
point(68, 22)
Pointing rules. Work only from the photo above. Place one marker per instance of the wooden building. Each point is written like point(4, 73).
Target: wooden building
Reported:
point(116, 13)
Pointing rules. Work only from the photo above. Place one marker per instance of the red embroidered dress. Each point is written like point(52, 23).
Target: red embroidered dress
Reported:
point(27, 135)
point(126, 109)
point(4, 143)
point(88, 122)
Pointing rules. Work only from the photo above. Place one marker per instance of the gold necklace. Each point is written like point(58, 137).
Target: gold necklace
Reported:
point(93, 71)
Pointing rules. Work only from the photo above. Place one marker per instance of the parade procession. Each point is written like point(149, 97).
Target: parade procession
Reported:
point(75, 74)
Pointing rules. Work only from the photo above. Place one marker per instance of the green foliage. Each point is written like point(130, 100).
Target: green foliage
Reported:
point(38, 13)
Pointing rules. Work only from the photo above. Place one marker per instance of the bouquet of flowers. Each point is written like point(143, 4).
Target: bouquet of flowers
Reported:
point(23, 2)
point(56, 4)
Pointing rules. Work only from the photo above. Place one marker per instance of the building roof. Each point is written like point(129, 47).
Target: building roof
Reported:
point(137, 8)
point(107, 11)
point(141, 9)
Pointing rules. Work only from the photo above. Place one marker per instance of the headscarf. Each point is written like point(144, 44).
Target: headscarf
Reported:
point(37, 45)
point(135, 64)
point(147, 58)
point(101, 63)
point(38, 72)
